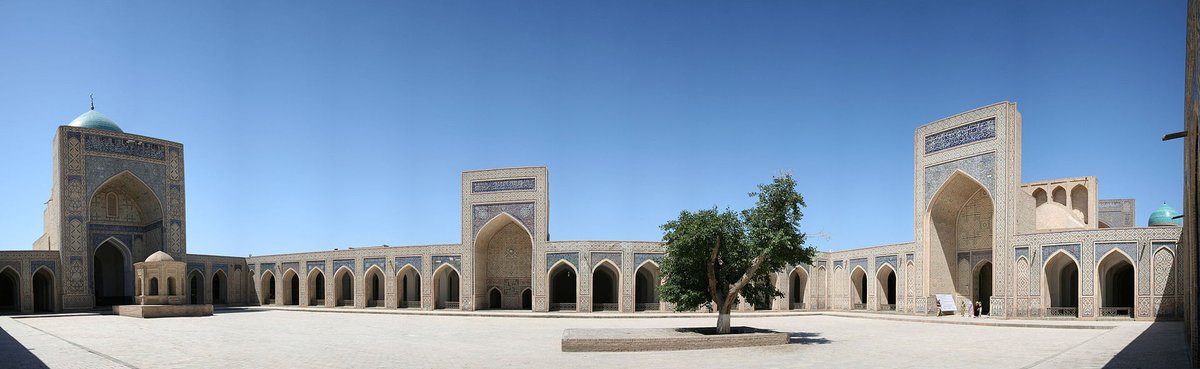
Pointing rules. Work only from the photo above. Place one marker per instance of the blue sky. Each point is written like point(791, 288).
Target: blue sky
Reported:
point(315, 125)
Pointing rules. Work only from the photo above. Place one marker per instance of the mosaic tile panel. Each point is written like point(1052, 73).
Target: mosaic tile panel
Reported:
point(295, 266)
point(225, 267)
point(348, 263)
point(120, 146)
point(837, 264)
point(615, 257)
point(961, 135)
point(862, 262)
point(640, 258)
point(979, 167)
point(264, 267)
point(523, 211)
point(503, 185)
point(415, 261)
point(35, 264)
point(886, 259)
point(453, 260)
point(318, 265)
point(379, 262)
point(554, 257)
point(1129, 248)
point(195, 266)
point(1071, 249)
point(908, 257)
point(100, 169)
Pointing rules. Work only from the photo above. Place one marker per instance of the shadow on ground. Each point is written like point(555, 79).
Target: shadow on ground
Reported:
point(806, 338)
point(15, 355)
point(1162, 345)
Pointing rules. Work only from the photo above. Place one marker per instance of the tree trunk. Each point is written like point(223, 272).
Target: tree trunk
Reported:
point(723, 320)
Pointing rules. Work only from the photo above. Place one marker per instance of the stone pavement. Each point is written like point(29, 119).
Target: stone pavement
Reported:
point(274, 338)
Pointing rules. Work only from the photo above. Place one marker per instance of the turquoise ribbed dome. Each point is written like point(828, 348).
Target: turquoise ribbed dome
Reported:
point(93, 119)
point(1162, 217)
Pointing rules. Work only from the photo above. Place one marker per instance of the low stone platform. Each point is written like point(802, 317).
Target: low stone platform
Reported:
point(666, 339)
point(162, 311)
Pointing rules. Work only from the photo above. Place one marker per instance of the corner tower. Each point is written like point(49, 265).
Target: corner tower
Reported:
point(116, 198)
point(967, 190)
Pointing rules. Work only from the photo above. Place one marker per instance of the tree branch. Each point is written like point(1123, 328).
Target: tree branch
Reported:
point(737, 287)
point(712, 273)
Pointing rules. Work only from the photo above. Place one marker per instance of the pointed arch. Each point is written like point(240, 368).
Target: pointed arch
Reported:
point(947, 217)
point(606, 286)
point(112, 273)
point(195, 286)
point(10, 290)
point(408, 287)
point(220, 288)
point(1059, 195)
point(503, 254)
point(343, 287)
point(44, 296)
point(1060, 284)
point(1040, 197)
point(147, 199)
point(291, 287)
point(982, 285)
point(646, 281)
point(267, 287)
point(374, 285)
point(563, 284)
point(885, 288)
point(447, 285)
point(495, 298)
point(797, 287)
point(858, 288)
point(316, 287)
point(1116, 277)
point(1080, 202)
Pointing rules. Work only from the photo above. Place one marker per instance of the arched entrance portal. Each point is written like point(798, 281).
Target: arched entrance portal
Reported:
point(375, 288)
point(291, 288)
point(959, 218)
point(316, 288)
point(408, 285)
point(504, 257)
point(446, 288)
point(886, 295)
point(527, 299)
point(343, 287)
point(798, 282)
point(605, 280)
point(195, 288)
point(562, 287)
point(220, 288)
point(646, 287)
point(43, 291)
point(858, 289)
point(983, 287)
point(268, 288)
point(10, 291)
point(494, 298)
point(1116, 275)
point(1061, 284)
point(111, 277)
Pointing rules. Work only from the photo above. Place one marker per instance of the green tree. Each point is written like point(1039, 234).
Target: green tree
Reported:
point(715, 258)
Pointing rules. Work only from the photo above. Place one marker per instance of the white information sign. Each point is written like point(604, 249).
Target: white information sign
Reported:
point(946, 302)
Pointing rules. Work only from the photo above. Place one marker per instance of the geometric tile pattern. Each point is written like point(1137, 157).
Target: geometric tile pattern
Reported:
point(960, 135)
point(503, 185)
point(415, 261)
point(554, 257)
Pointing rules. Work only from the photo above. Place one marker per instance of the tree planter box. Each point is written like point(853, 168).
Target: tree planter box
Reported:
point(666, 339)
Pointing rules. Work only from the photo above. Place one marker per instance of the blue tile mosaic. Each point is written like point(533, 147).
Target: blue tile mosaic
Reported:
point(503, 185)
point(195, 266)
point(1129, 248)
point(1072, 249)
point(379, 262)
point(615, 257)
point(554, 257)
point(522, 211)
point(294, 266)
point(415, 261)
point(453, 260)
point(1155, 245)
point(979, 167)
point(908, 257)
point(961, 135)
point(225, 267)
point(860, 262)
point(837, 264)
point(348, 263)
point(35, 264)
point(100, 169)
point(318, 265)
point(641, 257)
point(1021, 251)
point(121, 146)
point(264, 267)
point(886, 259)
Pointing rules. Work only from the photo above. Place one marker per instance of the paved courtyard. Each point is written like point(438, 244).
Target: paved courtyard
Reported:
point(266, 338)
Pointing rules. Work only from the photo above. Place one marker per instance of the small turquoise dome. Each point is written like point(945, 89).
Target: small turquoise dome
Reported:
point(1162, 217)
point(93, 119)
